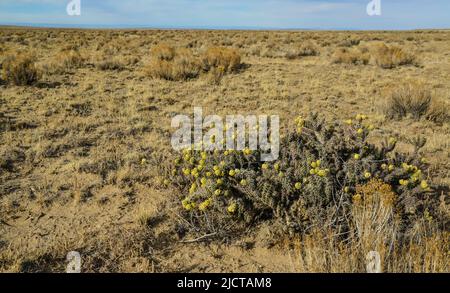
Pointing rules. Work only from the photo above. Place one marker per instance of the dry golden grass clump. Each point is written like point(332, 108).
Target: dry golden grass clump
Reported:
point(438, 111)
point(376, 227)
point(181, 64)
point(356, 56)
point(380, 54)
point(391, 56)
point(20, 69)
point(350, 42)
point(111, 57)
point(374, 215)
point(215, 75)
point(186, 65)
point(416, 100)
point(110, 63)
point(221, 57)
point(70, 59)
point(163, 52)
point(65, 60)
point(171, 64)
point(306, 49)
point(160, 69)
point(324, 252)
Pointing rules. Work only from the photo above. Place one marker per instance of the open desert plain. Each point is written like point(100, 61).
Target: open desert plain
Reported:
point(87, 164)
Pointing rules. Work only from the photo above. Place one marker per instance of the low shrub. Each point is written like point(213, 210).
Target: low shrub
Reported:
point(438, 111)
point(350, 42)
point(351, 56)
point(163, 52)
point(184, 65)
point(20, 69)
point(160, 69)
point(315, 182)
point(410, 99)
point(215, 75)
point(414, 99)
point(391, 56)
point(65, 60)
point(221, 57)
point(110, 63)
point(69, 59)
point(306, 49)
point(386, 57)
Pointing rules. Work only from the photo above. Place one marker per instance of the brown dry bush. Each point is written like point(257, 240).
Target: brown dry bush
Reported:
point(438, 111)
point(217, 57)
point(185, 65)
point(350, 42)
point(69, 59)
point(163, 52)
point(181, 64)
point(375, 221)
point(376, 227)
point(306, 49)
point(20, 69)
point(110, 63)
point(65, 60)
point(161, 69)
point(410, 99)
point(173, 64)
point(351, 56)
point(416, 100)
point(391, 56)
point(111, 57)
point(254, 50)
point(325, 252)
point(215, 76)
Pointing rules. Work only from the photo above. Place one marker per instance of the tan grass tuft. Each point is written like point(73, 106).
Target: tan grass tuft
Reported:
point(416, 100)
point(391, 56)
point(20, 69)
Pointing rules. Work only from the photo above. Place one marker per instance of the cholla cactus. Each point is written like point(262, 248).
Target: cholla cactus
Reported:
point(313, 183)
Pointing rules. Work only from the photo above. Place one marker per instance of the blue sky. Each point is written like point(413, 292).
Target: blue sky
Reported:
point(312, 14)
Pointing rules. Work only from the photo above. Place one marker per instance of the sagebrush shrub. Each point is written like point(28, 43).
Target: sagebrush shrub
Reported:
point(313, 184)
point(391, 56)
point(20, 69)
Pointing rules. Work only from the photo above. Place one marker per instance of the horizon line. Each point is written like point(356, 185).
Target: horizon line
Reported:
point(231, 28)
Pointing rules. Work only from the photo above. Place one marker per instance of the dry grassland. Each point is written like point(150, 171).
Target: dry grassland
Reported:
point(85, 127)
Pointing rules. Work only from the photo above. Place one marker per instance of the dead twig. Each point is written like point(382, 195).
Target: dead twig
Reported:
point(199, 238)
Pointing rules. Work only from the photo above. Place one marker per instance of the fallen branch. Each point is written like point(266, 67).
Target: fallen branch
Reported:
point(199, 238)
